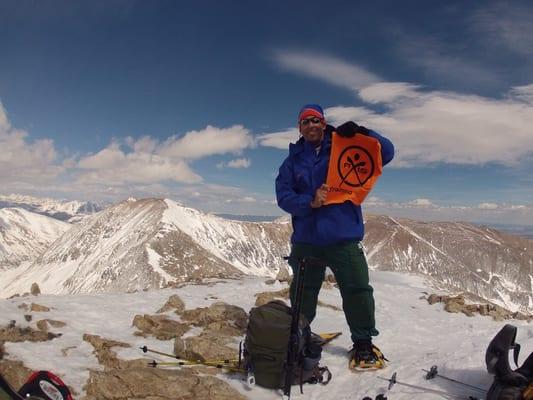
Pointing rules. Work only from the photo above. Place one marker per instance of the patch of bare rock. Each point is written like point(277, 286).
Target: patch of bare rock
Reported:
point(135, 380)
point(157, 384)
point(458, 304)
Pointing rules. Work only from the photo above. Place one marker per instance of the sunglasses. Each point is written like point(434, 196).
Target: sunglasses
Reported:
point(314, 121)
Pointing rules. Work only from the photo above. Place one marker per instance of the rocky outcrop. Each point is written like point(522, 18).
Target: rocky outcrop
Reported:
point(35, 290)
point(38, 308)
point(207, 346)
point(157, 384)
point(160, 326)
point(12, 333)
point(283, 275)
point(458, 304)
point(221, 322)
point(107, 357)
point(15, 372)
point(218, 317)
point(265, 297)
point(42, 324)
point(134, 380)
point(173, 303)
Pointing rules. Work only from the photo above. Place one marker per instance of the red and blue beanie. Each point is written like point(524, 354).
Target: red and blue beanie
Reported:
point(311, 110)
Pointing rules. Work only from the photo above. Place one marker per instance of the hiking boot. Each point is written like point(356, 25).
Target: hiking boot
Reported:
point(365, 356)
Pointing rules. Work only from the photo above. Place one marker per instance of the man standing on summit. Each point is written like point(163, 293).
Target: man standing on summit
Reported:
point(331, 233)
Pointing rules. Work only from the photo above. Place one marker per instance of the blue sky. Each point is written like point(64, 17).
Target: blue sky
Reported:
point(197, 101)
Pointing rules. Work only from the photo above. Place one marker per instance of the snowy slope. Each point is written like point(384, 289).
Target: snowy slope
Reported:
point(25, 235)
point(414, 335)
point(149, 243)
point(253, 248)
point(464, 257)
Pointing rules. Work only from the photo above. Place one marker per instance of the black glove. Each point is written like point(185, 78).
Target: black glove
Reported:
point(350, 128)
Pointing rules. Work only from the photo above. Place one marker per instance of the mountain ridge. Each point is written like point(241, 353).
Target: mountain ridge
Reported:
point(153, 243)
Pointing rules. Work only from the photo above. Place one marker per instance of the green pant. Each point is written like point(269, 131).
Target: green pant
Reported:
point(348, 263)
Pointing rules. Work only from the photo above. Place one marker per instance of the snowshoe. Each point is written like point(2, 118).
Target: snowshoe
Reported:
point(324, 338)
point(364, 356)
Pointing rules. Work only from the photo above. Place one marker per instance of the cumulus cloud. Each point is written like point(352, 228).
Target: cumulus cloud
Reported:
point(144, 166)
point(207, 142)
point(147, 160)
point(245, 199)
point(424, 203)
point(23, 161)
point(113, 166)
point(236, 163)
point(487, 206)
point(279, 140)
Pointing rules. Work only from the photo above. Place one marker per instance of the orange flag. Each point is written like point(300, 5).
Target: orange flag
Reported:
point(354, 167)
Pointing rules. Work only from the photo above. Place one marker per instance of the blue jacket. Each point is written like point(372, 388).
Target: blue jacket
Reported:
point(300, 175)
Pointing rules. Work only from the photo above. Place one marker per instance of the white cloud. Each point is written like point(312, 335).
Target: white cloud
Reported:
point(245, 199)
point(239, 163)
point(437, 126)
point(113, 166)
point(207, 142)
point(279, 140)
point(22, 161)
point(140, 167)
point(149, 161)
point(235, 163)
point(424, 203)
point(388, 91)
point(523, 93)
point(339, 114)
point(487, 206)
point(325, 67)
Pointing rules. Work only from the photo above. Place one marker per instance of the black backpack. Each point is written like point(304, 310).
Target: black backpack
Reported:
point(508, 384)
point(266, 343)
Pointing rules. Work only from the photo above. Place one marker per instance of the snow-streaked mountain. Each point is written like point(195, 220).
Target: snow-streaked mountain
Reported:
point(465, 257)
point(139, 244)
point(71, 211)
point(149, 243)
point(24, 235)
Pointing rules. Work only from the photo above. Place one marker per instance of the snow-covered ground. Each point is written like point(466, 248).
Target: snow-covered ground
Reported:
point(414, 335)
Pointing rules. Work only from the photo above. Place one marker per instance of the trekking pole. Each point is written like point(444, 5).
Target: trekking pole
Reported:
point(392, 381)
point(292, 349)
point(146, 349)
point(433, 372)
point(229, 367)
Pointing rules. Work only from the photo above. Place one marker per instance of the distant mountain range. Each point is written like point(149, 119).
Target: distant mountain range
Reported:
point(151, 243)
point(63, 210)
